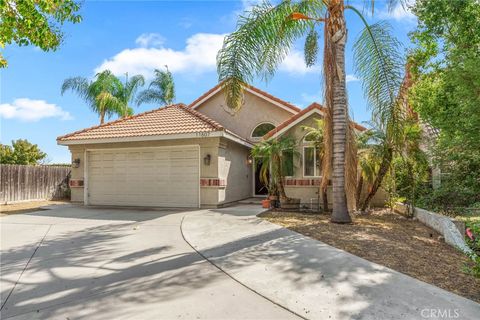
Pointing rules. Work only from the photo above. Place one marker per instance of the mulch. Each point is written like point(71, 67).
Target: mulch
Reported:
point(389, 239)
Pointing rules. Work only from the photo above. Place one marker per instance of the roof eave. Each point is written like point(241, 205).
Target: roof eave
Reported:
point(190, 135)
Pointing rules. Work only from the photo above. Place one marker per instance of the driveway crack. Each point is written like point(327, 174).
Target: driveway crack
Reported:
point(233, 278)
point(26, 266)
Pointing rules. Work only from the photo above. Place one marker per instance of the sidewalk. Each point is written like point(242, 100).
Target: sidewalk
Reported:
point(310, 278)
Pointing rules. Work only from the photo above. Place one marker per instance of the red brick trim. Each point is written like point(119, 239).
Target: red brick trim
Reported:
point(76, 183)
point(212, 182)
point(291, 182)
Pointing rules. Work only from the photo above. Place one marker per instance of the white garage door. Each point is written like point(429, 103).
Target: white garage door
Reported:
point(163, 177)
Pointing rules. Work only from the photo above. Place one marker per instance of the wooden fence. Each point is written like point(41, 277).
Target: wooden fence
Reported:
point(22, 183)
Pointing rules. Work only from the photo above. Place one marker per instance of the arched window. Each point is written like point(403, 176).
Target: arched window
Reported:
point(262, 129)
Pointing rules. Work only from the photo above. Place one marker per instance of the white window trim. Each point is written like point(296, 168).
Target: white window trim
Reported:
point(315, 173)
point(259, 138)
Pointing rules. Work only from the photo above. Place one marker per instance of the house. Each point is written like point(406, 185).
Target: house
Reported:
point(190, 156)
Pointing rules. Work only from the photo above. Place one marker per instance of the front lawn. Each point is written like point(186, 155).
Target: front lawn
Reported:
point(391, 240)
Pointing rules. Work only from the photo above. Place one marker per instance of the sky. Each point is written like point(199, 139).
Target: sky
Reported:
point(139, 36)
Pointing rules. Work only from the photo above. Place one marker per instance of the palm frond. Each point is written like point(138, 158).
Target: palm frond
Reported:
point(261, 42)
point(160, 90)
point(132, 86)
point(78, 85)
point(311, 48)
point(379, 65)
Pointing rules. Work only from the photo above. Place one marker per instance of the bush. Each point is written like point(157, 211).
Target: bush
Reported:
point(475, 246)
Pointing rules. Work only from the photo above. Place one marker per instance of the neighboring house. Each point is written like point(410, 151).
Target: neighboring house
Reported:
point(190, 156)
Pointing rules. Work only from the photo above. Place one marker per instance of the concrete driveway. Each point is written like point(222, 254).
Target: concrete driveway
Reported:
point(81, 263)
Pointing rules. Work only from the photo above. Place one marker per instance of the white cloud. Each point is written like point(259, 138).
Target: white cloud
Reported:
point(30, 110)
point(294, 64)
point(198, 56)
point(351, 78)
point(399, 13)
point(146, 40)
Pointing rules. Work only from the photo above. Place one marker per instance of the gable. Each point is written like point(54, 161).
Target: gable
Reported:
point(297, 132)
point(315, 110)
point(257, 109)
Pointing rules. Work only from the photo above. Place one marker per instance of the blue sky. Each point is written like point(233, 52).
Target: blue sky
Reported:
point(138, 37)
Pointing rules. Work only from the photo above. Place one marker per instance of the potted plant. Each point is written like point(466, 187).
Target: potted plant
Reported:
point(272, 172)
point(266, 203)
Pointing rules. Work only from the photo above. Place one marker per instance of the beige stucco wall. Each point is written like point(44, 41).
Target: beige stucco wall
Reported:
point(209, 196)
point(306, 193)
point(233, 167)
point(255, 111)
point(298, 134)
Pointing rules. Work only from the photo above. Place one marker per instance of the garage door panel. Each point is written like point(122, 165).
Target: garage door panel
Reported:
point(163, 177)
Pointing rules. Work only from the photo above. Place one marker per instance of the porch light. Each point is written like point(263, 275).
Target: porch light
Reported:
point(206, 159)
point(76, 163)
point(249, 160)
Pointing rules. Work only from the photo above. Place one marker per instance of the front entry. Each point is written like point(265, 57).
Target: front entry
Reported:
point(260, 188)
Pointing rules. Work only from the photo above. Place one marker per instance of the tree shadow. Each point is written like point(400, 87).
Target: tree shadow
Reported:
point(78, 265)
point(328, 281)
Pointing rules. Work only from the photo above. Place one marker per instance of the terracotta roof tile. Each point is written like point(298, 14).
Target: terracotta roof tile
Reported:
point(261, 92)
point(173, 119)
point(287, 122)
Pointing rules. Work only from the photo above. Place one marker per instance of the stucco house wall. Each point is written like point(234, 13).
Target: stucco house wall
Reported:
point(210, 196)
point(305, 193)
point(254, 112)
point(235, 170)
point(309, 193)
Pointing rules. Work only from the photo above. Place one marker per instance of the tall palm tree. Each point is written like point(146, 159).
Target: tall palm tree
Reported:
point(126, 93)
point(273, 153)
point(100, 93)
point(262, 41)
point(161, 89)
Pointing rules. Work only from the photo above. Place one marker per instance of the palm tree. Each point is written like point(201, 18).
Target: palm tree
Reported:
point(273, 154)
point(161, 89)
point(263, 39)
point(374, 158)
point(126, 93)
point(100, 94)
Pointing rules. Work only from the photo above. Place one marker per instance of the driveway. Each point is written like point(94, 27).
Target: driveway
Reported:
point(73, 262)
point(311, 278)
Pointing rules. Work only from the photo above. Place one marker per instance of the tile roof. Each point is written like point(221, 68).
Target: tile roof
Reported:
point(173, 119)
point(261, 92)
point(287, 122)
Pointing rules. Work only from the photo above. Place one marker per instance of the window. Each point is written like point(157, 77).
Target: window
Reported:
point(287, 164)
point(311, 165)
point(262, 129)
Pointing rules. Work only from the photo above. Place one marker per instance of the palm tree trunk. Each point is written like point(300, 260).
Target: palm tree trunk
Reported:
point(382, 172)
point(337, 34)
point(325, 199)
point(280, 186)
point(359, 191)
point(102, 117)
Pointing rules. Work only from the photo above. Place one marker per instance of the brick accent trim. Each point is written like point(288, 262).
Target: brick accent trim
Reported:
point(291, 182)
point(212, 182)
point(76, 183)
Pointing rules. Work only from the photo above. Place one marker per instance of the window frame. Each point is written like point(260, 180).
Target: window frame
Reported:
point(315, 173)
point(293, 166)
point(258, 138)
